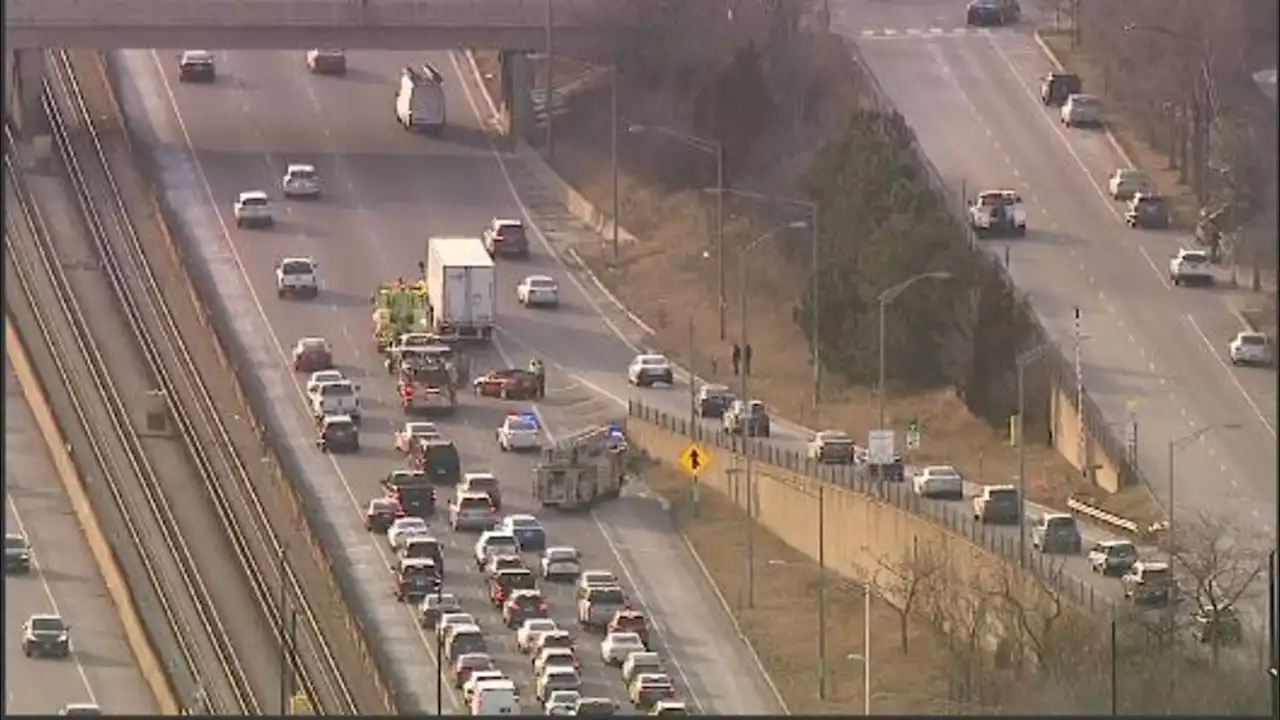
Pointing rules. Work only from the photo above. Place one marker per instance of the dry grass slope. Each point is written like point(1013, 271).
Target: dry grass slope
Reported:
point(783, 625)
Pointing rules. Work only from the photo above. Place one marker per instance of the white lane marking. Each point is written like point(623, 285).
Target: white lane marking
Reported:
point(1231, 374)
point(614, 549)
point(38, 571)
point(1154, 267)
point(524, 210)
point(428, 643)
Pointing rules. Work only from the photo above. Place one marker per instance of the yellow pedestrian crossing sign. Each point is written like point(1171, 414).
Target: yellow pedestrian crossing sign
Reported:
point(300, 704)
point(695, 459)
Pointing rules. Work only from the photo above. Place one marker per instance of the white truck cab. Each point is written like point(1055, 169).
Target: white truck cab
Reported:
point(297, 276)
point(338, 397)
point(420, 101)
point(998, 213)
point(300, 181)
point(253, 209)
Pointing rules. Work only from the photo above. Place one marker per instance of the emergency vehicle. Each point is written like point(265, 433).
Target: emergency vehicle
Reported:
point(520, 432)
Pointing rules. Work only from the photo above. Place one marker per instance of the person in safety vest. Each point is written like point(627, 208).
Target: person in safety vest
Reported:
point(540, 373)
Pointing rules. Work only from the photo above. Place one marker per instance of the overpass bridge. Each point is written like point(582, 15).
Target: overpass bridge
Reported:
point(303, 24)
point(514, 26)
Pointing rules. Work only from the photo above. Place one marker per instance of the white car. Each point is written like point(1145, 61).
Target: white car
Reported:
point(477, 677)
point(562, 702)
point(596, 578)
point(80, 709)
point(558, 677)
point(617, 646)
point(647, 369)
point(321, 377)
point(253, 209)
point(414, 430)
point(538, 291)
point(532, 629)
point(1190, 267)
point(1124, 183)
point(560, 562)
point(404, 528)
point(1250, 348)
point(300, 181)
point(520, 432)
point(938, 481)
point(493, 542)
point(1081, 109)
point(450, 619)
point(340, 397)
point(297, 277)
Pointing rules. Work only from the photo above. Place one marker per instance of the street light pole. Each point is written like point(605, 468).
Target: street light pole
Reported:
point(1023, 360)
point(547, 106)
point(866, 648)
point(716, 149)
point(822, 591)
point(742, 387)
point(613, 151)
point(887, 296)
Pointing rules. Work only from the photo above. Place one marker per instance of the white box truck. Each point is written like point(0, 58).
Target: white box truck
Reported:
point(460, 287)
point(420, 100)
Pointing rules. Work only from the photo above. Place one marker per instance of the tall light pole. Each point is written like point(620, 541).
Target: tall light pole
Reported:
point(1201, 101)
point(1023, 360)
point(551, 148)
point(613, 152)
point(822, 590)
point(743, 255)
point(865, 656)
point(1176, 445)
point(815, 301)
point(887, 296)
point(716, 149)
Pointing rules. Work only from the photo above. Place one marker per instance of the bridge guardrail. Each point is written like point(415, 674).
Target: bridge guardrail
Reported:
point(248, 13)
point(857, 479)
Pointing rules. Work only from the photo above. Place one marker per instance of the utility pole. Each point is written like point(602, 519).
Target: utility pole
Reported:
point(551, 150)
point(613, 150)
point(1081, 454)
point(282, 603)
point(822, 591)
point(693, 376)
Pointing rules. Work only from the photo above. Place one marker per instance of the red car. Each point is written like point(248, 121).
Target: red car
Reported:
point(312, 354)
point(508, 384)
point(628, 620)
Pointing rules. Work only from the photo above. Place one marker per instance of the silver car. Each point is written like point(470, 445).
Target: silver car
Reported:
point(1081, 109)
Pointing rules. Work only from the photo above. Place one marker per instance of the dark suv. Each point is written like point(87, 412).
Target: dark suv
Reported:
point(1056, 87)
point(986, 13)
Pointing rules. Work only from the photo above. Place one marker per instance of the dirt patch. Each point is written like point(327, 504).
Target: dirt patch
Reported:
point(783, 624)
point(1145, 156)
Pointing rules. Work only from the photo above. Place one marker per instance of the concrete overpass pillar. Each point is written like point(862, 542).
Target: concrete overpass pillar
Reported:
point(24, 72)
point(517, 81)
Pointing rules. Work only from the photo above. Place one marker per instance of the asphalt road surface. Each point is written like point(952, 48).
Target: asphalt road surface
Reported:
point(64, 580)
point(385, 192)
point(1152, 349)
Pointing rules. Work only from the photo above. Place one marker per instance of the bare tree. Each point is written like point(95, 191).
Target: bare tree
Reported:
point(908, 581)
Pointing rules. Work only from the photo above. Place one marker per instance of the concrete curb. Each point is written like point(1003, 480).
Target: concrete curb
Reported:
point(1106, 128)
point(574, 201)
point(149, 664)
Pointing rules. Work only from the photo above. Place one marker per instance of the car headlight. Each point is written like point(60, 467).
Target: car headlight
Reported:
point(63, 637)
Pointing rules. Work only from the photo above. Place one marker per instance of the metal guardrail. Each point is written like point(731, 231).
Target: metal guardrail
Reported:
point(1060, 368)
point(21, 14)
point(1098, 515)
point(166, 340)
point(857, 479)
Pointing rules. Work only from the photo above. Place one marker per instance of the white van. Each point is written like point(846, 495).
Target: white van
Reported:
point(420, 102)
point(495, 697)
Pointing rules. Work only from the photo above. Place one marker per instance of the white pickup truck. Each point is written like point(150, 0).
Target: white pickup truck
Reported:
point(340, 397)
point(1191, 267)
point(297, 276)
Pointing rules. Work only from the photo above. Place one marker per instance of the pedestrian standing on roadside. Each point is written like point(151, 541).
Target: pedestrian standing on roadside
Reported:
point(736, 358)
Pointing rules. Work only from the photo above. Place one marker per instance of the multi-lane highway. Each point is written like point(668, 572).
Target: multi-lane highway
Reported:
point(64, 580)
point(1150, 348)
point(385, 193)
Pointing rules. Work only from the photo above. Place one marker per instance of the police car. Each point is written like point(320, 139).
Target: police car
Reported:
point(519, 432)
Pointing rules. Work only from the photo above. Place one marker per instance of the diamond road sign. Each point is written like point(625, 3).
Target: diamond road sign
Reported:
point(695, 459)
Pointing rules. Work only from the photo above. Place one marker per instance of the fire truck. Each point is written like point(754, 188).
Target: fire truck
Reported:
point(399, 308)
point(426, 387)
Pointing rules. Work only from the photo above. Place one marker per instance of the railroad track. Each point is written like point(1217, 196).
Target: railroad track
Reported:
point(251, 645)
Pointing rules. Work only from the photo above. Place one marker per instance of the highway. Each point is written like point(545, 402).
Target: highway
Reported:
point(973, 101)
point(385, 192)
point(64, 580)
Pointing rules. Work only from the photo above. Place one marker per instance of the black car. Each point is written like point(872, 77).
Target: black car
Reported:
point(46, 636)
point(1056, 87)
point(986, 13)
point(713, 400)
point(440, 461)
point(1147, 211)
point(196, 66)
point(17, 554)
point(413, 491)
point(524, 605)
